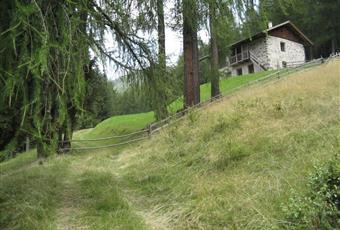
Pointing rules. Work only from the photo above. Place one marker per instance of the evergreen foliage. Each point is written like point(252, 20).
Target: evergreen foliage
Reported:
point(319, 208)
point(45, 60)
point(99, 97)
point(49, 86)
point(44, 52)
point(319, 20)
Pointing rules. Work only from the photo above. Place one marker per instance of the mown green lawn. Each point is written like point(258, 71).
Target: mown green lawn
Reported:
point(129, 123)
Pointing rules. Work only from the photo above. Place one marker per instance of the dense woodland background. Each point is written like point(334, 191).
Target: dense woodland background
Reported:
point(50, 85)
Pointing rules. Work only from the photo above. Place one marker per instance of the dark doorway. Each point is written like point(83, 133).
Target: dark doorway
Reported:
point(239, 72)
point(251, 68)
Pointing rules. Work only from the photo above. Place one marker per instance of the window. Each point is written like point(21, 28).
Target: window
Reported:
point(251, 68)
point(284, 64)
point(239, 72)
point(238, 50)
point(283, 46)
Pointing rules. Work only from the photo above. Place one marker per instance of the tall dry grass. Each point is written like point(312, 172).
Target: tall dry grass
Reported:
point(235, 164)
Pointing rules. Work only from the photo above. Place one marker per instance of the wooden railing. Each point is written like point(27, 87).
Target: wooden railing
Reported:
point(157, 126)
point(257, 61)
point(239, 57)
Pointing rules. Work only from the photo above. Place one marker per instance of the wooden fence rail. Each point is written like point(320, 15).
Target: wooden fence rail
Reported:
point(159, 125)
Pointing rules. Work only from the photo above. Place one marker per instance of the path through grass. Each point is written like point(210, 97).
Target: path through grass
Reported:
point(235, 171)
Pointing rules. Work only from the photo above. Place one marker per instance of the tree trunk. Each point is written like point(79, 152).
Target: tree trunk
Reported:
point(46, 144)
point(195, 71)
point(333, 45)
point(27, 144)
point(66, 129)
point(60, 140)
point(161, 34)
point(215, 81)
point(190, 47)
point(67, 137)
point(160, 106)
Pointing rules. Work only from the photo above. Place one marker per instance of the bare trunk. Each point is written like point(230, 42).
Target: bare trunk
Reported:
point(333, 45)
point(160, 106)
point(191, 78)
point(188, 62)
point(215, 87)
point(161, 34)
point(46, 144)
point(67, 139)
point(27, 146)
point(195, 70)
point(60, 140)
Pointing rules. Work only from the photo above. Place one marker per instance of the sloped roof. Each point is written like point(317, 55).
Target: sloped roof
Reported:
point(306, 41)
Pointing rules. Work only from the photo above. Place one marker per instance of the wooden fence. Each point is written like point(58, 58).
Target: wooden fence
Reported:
point(159, 125)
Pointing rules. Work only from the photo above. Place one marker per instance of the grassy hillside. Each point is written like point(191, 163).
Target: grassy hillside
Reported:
point(129, 123)
point(233, 165)
point(236, 163)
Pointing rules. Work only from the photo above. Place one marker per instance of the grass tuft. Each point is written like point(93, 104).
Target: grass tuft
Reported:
point(233, 165)
point(103, 202)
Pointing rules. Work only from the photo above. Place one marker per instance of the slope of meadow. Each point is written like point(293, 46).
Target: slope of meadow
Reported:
point(233, 165)
point(238, 162)
point(133, 122)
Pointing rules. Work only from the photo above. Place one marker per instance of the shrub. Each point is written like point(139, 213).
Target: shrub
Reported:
point(320, 207)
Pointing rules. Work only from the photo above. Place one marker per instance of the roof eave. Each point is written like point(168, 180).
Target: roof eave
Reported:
point(265, 32)
point(301, 33)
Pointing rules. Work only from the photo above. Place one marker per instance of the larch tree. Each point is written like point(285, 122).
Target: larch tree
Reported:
point(44, 54)
point(221, 27)
point(214, 57)
point(162, 108)
point(44, 47)
point(150, 19)
point(190, 49)
point(308, 15)
point(252, 22)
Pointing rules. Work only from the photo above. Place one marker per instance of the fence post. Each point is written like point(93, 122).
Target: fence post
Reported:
point(150, 130)
point(27, 144)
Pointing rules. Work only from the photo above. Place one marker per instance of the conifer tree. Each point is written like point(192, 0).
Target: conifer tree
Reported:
point(44, 47)
point(214, 58)
point(190, 49)
point(151, 18)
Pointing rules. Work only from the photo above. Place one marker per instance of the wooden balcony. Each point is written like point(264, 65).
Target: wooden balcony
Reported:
point(240, 57)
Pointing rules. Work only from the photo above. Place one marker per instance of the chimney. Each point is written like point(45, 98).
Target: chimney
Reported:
point(270, 24)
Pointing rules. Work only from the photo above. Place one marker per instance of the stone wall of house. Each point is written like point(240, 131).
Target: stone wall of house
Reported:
point(244, 67)
point(294, 52)
point(268, 52)
point(259, 49)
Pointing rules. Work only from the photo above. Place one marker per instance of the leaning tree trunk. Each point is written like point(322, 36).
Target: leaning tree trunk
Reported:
point(190, 46)
point(215, 81)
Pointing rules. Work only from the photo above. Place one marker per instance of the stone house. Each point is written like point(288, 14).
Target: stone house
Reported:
point(276, 47)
